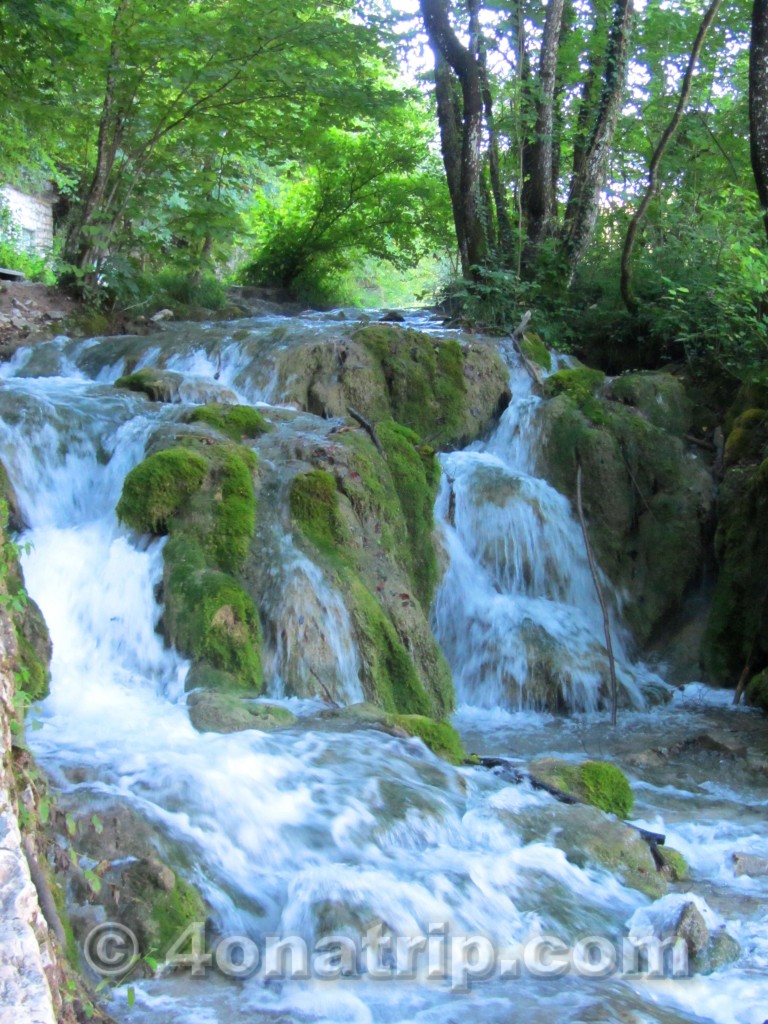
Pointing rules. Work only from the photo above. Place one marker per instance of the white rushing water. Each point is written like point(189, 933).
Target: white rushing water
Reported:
point(311, 832)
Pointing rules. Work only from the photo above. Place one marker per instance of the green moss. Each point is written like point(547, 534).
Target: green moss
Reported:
point(156, 489)
point(236, 421)
point(535, 351)
point(441, 738)
point(225, 713)
point(757, 691)
point(157, 385)
point(314, 503)
point(748, 440)
point(660, 397)
point(415, 473)
point(424, 379)
point(599, 783)
point(234, 511)
point(208, 615)
point(34, 674)
point(158, 905)
point(607, 787)
point(393, 676)
point(579, 383)
point(204, 677)
point(737, 629)
point(675, 863)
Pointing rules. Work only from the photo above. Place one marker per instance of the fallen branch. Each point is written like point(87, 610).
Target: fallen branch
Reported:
point(708, 446)
point(601, 599)
point(742, 684)
point(367, 427)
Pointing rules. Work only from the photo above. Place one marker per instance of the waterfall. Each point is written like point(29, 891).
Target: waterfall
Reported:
point(319, 830)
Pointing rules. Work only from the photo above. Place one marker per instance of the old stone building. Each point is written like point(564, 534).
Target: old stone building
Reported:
point(33, 215)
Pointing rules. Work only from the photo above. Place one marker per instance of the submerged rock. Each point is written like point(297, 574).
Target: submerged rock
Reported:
point(749, 864)
point(225, 712)
point(688, 919)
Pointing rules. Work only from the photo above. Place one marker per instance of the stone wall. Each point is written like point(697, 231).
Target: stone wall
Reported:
point(33, 216)
point(27, 948)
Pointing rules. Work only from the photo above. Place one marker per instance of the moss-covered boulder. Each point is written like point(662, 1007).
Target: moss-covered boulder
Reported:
point(647, 499)
point(599, 783)
point(535, 351)
point(157, 385)
point(659, 397)
point(748, 439)
point(757, 691)
point(446, 392)
point(225, 712)
point(201, 491)
point(737, 630)
point(366, 516)
point(154, 902)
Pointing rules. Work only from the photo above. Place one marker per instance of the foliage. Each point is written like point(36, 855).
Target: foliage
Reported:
point(370, 191)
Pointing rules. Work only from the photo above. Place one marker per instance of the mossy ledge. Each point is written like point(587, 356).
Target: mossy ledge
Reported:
point(202, 494)
point(368, 522)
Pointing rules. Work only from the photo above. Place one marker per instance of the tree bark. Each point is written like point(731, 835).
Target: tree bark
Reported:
point(758, 102)
point(584, 195)
point(449, 123)
point(465, 64)
point(538, 190)
point(627, 292)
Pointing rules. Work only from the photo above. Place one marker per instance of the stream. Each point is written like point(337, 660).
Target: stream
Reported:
point(313, 831)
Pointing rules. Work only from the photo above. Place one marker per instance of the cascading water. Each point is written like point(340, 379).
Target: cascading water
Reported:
point(517, 614)
point(315, 831)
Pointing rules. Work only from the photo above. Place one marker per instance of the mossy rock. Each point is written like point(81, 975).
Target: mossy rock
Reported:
point(675, 864)
point(737, 629)
point(581, 385)
point(599, 783)
point(314, 505)
point(208, 615)
point(441, 737)
point(535, 351)
point(225, 713)
point(748, 439)
point(757, 691)
point(157, 385)
point(34, 643)
point(660, 397)
point(433, 386)
point(236, 421)
point(155, 903)
point(589, 839)
point(203, 676)
point(156, 489)
point(751, 395)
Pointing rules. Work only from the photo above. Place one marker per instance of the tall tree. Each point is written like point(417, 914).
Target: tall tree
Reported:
point(758, 101)
point(467, 66)
point(584, 194)
point(668, 134)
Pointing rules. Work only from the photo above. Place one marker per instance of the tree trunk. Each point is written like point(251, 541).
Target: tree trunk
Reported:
point(627, 292)
point(78, 248)
point(758, 102)
point(538, 195)
point(449, 122)
point(465, 64)
point(584, 195)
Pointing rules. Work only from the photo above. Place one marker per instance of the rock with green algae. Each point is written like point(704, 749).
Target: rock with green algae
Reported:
point(448, 393)
point(203, 494)
point(226, 712)
point(535, 351)
point(155, 490)
point(737, 629)
point(154, 902)
point(157, 385)
point(647, 500)
point(364, 522)
point(599, 783)
point(659, 397)
point(675, 864)
point(757, 691)
point(748, 439)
